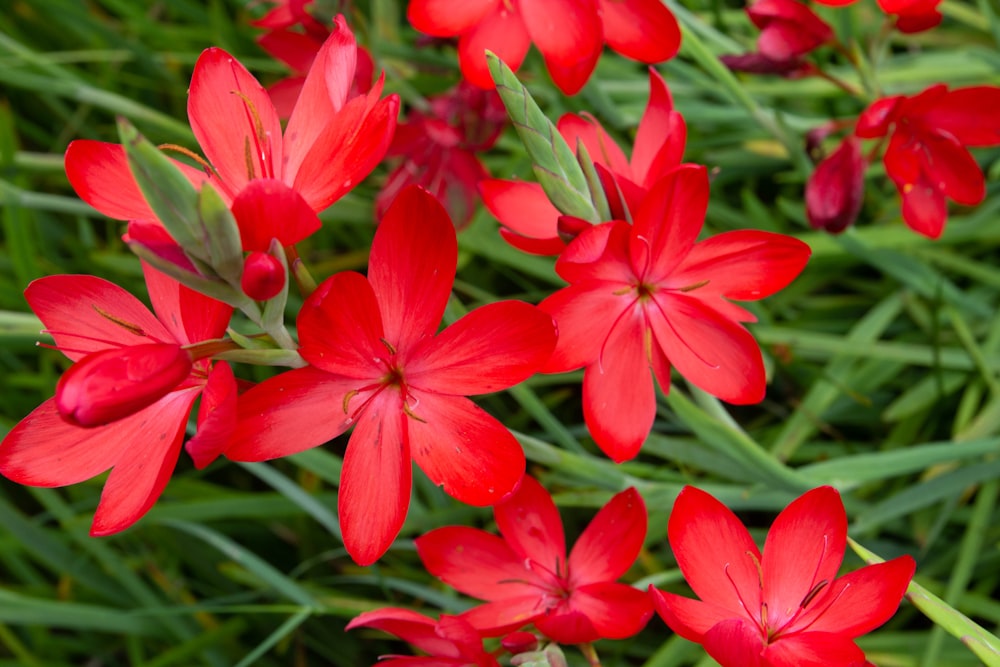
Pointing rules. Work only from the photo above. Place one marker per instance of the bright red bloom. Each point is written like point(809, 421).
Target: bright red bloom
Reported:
point(526, 577)
point(569, 33)
point(438, 149)
point(531, 223)
point(645, 296)
point(835, 190)
point(376, 362)
point(786, 608)
point(295, 37)
point(788, 28)
point(927, 157)
point(330, 144)
point(111, 335)
point(448, 641)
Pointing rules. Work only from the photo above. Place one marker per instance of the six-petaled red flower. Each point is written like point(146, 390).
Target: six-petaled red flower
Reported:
point(526, 577)
point(787, 607)
point(377, 363)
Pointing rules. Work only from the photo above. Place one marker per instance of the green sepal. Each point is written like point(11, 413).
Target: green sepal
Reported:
point(220, 236)
point(555, 165)
point(597, 195)
point(273, 317)
point(213, 287)
point(167, 190)
point(264, 357)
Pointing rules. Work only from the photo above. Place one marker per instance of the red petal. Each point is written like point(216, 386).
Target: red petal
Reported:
point(601, 148)
point(285, 94)
point(100, 174)
point(412, 266)
point(599, 253)
point(954, 169)
point(445, 18)
point(502, 32)
point(584, 315)
point(925, 210)
point(668, 221)
point(715, 553)
point(569, 35)
point(643, 30)
point(493, 347)
point(804, 549)
point(968, 114)
point(144, 467)
point(529, 521)
point(551, 246)
point(216, 416)
point(351, 144)
point(85, 314)
point(813, 649)
point(191, 316)
point(659, 141)
point(340, 328)
point(234, 121)
point(268, 209)
point(411, 627)
point(860, 601)
point(476, 563)
point(691, 619)
point(289, 413)
point(736, 643)
point(375, 480)
point(45, 450)
point(296, 49)
point(618, 398)
point(463, 449)
point(745, 265)
point(324, 93)
point(494, 619)
point(610, 544)
point(710, 351)
point(521, 207)
point(616, 611)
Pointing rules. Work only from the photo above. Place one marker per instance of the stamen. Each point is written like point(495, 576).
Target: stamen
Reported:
point(248, 159)
point(388, 346)
point(347, 398)
point(134, 328)
point(646, 256)
point(191, 154)
point(760, 570)
point(260, 136)
point(409, 413)
point(691, 288)
point(813, 593)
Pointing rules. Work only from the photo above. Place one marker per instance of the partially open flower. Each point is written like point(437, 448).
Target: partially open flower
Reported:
point(108, 385)
point(263, 276)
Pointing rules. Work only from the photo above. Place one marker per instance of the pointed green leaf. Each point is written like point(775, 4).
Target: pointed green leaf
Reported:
point(220, 235)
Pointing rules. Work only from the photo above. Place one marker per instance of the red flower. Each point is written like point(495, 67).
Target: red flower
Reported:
point(788, 28)
point(569, 33)
point(376, 362)
point(787, 608)
point(835, 191)
point(646, 296)
point(911, 15)
point(126, 388)
point(438, 149)
point(449, 641)
point(927, 157)
point(531, 223)
point(526, 577)
point(331, 142)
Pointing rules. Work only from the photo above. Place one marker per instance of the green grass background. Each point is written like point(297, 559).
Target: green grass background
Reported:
point(883, 356)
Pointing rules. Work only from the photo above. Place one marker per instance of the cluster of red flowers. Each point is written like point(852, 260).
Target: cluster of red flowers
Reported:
point(646, 295)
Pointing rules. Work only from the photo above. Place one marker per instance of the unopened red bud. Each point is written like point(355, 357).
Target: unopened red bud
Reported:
point(108, 385)
point(788, 29)
point(519, 642)
point(263, 276)
point(836, 188)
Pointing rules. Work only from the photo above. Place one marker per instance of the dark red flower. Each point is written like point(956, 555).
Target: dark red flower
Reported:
point(136, 425)
point(525, 575)
point(786, 608)
point(927, 157)
point(378, 363)
point(531, 223)
point(569, 33)
point(438, 149)
point(448, 642)
point(788, 28)
point(835, 190)
point(647, 296)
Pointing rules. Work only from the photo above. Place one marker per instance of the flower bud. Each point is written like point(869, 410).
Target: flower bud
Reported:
point(520, 642)
point(263, 276)
point(836, 188)
point(111, 384)
point(788, 29)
